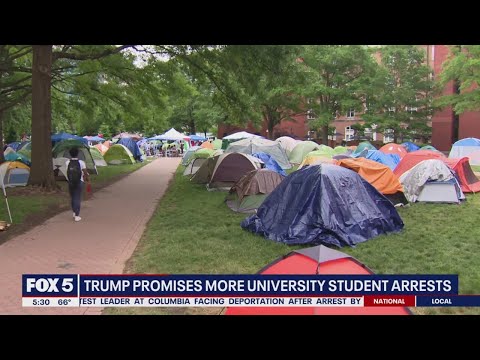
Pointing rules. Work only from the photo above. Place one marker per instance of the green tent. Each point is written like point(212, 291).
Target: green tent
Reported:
point(301, 150)
point(118, 154)
point(97, 156)
point(340, 150)
point(247, 205)
point(364, 145)
point(62, 150)
point(217, 144)
point(428, 147)
point(322, 152)
point(203, 153)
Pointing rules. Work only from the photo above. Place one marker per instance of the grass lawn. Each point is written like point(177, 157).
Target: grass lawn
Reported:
point(29, 206)
point(475, 168)
point(193, 231)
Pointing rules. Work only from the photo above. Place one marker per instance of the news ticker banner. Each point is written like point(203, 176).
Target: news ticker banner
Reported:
point(74, 290)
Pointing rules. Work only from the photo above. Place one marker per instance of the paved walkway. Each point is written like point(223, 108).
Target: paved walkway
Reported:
point(112, 224)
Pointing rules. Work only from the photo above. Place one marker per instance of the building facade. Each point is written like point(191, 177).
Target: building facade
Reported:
point(446, 126)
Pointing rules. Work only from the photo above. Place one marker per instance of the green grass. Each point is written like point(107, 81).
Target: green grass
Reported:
point(193, 231)
point(475, 168)
point(24, 204)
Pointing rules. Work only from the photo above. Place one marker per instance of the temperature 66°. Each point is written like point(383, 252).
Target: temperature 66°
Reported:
point(64, 301)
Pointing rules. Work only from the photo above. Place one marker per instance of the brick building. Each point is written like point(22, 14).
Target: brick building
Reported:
point(446, 127)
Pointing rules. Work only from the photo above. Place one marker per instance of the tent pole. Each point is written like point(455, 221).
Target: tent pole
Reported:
point(6, 201)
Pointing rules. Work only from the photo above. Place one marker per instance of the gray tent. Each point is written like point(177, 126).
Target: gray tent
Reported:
point(254, 145)
point(194, 166)
point(230, 168)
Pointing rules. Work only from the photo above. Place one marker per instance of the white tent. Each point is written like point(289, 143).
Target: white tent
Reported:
point(171, 134)
point(241, 135)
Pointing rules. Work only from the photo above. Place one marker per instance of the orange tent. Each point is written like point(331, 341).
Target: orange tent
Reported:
point(102, 148)
point(379, 175)
point(393, 148)
point(207, 145)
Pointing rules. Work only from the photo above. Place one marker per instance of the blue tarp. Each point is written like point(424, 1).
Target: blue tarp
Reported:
point(64, 136)
point(410, 146)
point(95, 138)
point(131, 145)
point(324, 204)
point(197, 138)
point(270, 163)
point(390, 160)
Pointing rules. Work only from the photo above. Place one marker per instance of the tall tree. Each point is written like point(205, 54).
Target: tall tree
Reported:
point(463, 67)
point(336, 78)
point(401, 98)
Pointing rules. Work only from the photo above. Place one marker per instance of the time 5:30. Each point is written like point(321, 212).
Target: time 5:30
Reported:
point(41, 302)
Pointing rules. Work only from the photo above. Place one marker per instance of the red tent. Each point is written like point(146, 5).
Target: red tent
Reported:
point(317, 260)
point(393, 148)
point(413, 158)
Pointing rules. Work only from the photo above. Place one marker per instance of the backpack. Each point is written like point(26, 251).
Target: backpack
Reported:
point(74, 172)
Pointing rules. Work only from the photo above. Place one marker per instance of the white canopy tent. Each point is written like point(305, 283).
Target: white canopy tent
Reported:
point(241, 135)
point(171, 134)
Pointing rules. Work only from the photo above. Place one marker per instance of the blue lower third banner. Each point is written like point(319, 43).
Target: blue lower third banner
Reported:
point(461, 300)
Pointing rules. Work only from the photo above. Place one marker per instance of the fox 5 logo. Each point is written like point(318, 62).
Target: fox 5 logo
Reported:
point(39, 284)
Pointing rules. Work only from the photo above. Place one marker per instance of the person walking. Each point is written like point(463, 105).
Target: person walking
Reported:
point(77, 175)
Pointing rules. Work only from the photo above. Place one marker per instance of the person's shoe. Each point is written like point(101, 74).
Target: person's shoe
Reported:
point(74, 215)
point(78, 218)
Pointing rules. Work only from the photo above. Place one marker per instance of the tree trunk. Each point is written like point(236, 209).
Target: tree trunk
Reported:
point(2, 158)
point(191, 125)
point(41, 172)
point(270, 126)
point(325, 134)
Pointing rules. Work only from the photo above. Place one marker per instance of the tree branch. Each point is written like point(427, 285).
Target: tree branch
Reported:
point(72, 56)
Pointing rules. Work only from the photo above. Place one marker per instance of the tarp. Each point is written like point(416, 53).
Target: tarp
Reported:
point(393, 148)
point(196, 138)
point(312, 261)
point(414, 180)
point(379, 175)
point(14, 145)
point(324, 204)
point(13, 156)
point(413, 158)
point(270, 163)
point(410, 146)
point(56, 138)
point(364, 145)
point(254, 145)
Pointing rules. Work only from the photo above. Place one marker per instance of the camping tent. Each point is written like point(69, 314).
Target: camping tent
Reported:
point(250, 191)
point(287, 143)
point(204, 173)
point(254, 145)
point(410, 146)
point(102, 148)
point(189, 154)
point(270, 163)
point(171, 135)
point(364, 145)
point(391, 160)
point(13, 156)
point(97, 156)
point(14, 173)
point(62, 150)
point(56, 138)
point(230, 168)
point(118, 154)
point(413, 158)
point(217, 144)
point(194, 166)
point(131, 145)
point(467, 179)
point(301, 150)
point(240, 135)
point(431, 181)
point(312, 261)
point(324, 204)
point(465, 147)
point(379, 175)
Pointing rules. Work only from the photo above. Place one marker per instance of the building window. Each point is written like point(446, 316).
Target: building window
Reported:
point(388, 136)
point(310, 115)
point(309, 101)
point(349, 133)
point(368, 133)
point(350, 113)
point(391, 109)
point(410, 109)
point(334, 136)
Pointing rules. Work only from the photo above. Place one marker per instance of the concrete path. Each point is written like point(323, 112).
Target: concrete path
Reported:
point(112, 224)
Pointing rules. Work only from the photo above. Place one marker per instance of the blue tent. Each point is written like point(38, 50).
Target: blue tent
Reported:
point(131, 145)
point(95, 138)
point(410, 146)
point(324, 204)
point(270, 163)
point(13, 156)
point(65, 136)
point(468, 142)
